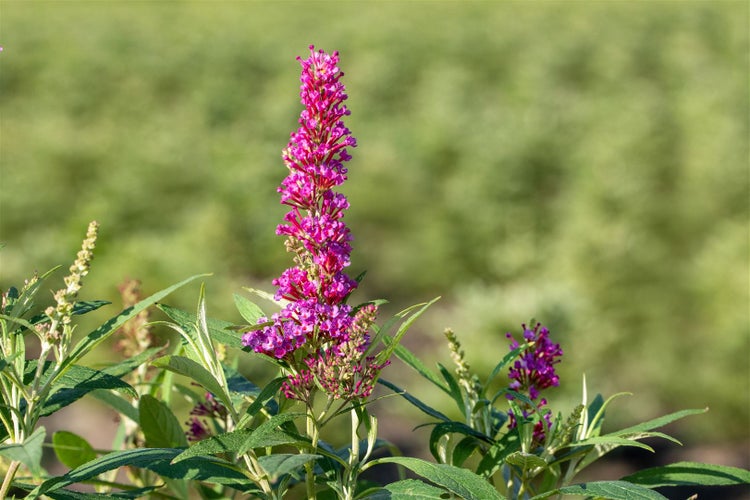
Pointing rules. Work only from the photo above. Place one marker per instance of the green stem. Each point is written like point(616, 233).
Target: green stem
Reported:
point(312, 432)
point(9, 475)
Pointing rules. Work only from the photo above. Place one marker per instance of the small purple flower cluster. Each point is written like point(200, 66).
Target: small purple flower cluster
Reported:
point(534, 371)
point(316, 288)
point(198, 428)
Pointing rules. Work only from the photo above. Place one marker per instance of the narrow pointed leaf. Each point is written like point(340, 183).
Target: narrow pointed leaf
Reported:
point(220, 331)
point(154, 459)
point(690, 474)
point(413, 400)
point(614, 490)
point(106, 329)
point(249, 311)
point(193, 370)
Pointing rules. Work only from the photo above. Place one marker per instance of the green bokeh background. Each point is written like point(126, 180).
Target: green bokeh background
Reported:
point(583, 163)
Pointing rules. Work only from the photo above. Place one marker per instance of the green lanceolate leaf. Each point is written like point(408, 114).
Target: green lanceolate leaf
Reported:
point(219, 330)
point(159, 425)
point(278, 464)
point(385, 355)
point(409, 489)
point(413, 400)
point(71, 449)
point(690, 474)
point(444, 428)
point(249, 311)
point(267, 434)
point(264, 399)
point(660, 421)
point(193, 370)
point(459, 481)
point(110, 326)
point(502, 364)
point(413, 361)
point(157, 460)
point(614, 490)
point(77, 382)
point(29, 452)
point(118, 403)
point(525, 461)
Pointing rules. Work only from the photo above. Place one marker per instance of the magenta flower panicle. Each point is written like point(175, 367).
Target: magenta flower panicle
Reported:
point(533, 372)
point(316, 316)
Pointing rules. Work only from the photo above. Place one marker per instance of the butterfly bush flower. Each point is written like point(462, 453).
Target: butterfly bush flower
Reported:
point(533, 372)
point(315, 289)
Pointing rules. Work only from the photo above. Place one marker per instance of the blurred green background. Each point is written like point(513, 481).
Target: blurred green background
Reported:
point(582, 163)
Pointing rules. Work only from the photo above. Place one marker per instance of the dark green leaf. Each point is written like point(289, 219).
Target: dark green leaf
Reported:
point(413, 400)
point(690, 474)
point(614, 490)
point(71, 449)
point(443, 428)
point(159, 425)
point(240, 441)
point(154, 459)
point(265, 398)
point(454, 389)
point(84, 307)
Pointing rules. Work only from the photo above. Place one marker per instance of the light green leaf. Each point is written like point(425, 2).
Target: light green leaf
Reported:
point(385, 354)
point(219, 330)
point(660, 421)
point(159, 425)
point(71, 449)
point(29, 452)
point(462, 482)
point(249, 311)
point(278, 464)
point(191, 369)
point(412, 360)
point(409, 489)
point(106, 329)
point(525, 461)
point(690, 474)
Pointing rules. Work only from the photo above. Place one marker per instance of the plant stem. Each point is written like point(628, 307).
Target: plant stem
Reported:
point(9, 475)
point(312, 432)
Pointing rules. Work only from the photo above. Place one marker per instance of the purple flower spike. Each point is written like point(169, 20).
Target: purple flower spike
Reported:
point(317, 286)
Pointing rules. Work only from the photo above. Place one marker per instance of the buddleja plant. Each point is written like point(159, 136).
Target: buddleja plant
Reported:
point(33, 388)
point(246, 440)
point(524, 451)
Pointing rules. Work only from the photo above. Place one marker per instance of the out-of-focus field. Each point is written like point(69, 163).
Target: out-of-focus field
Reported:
point(582, 163)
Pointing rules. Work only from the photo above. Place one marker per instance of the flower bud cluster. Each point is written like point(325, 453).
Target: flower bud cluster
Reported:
point(62, 312)
point(316, 316)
